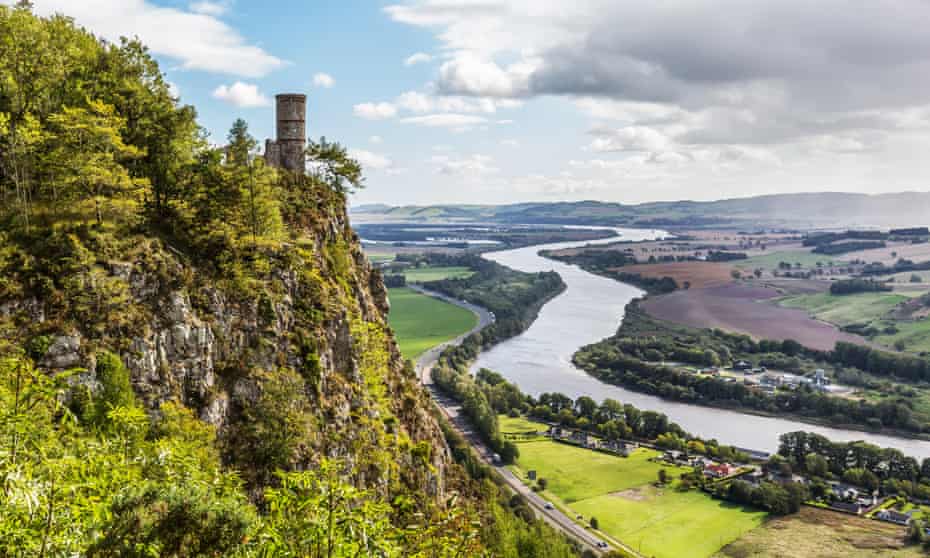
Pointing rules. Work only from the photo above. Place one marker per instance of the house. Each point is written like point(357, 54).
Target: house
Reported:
point(719, 470)
point(672, 456)
point(742, 365)
point(846, 507)
point(844, 492)
point(893, 516)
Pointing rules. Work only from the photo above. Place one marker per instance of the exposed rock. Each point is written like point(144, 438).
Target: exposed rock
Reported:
point(64, 352)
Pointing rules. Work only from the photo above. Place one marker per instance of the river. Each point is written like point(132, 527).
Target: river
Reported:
point(590, 309)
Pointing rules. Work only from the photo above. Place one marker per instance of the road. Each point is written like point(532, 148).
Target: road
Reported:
point(452, 410)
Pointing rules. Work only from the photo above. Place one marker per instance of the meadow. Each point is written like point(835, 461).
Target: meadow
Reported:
point(664, 522)
point(424, 274)
point(421, 322)
point(847, 309)
point(805, 258)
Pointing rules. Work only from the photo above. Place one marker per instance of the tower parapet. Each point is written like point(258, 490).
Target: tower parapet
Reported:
point(287, 150)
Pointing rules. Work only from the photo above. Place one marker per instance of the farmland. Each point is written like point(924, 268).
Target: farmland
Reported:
point(740, 307)
point(424, 274)
point(846, 310)
point(802, 258)
point(620, 492)
point(814, 532)
point(422, 322)
point(697, 274)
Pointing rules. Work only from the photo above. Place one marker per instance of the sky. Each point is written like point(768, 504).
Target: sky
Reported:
point(499, 101)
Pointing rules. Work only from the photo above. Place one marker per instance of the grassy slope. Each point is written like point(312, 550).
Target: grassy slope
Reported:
point(424, 274)
point(821, 533)
point(664, 523)
point(421, 322)
point(847, 309)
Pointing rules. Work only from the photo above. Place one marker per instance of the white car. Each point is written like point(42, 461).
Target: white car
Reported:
point(549, 506)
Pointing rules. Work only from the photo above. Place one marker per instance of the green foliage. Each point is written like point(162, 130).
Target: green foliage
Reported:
point(115, 388)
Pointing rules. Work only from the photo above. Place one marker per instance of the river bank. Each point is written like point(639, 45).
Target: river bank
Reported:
point(591, 308)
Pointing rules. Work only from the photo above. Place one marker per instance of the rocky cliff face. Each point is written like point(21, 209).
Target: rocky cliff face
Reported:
point(317, 309)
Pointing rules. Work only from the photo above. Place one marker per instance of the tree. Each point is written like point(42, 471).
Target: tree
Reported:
point(736, 274)
point(333, 166)
point(240, 144)
point(86, 153)
point(594, 523)
point(542, 482)
point(663, 476)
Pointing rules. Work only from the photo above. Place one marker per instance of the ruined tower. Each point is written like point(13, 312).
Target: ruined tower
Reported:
point(287, 150)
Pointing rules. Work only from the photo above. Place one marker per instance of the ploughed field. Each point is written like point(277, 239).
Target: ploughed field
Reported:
point(620, 492)
point(421, 322)
point(746, 308)
point(698, 274)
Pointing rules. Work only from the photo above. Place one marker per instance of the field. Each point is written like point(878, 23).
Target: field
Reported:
point(770, 261)
point(745, 308)
point(519, 425)
point(821, 533)
point(847, 309)
point(424, 274)
point(698, 274)
point(422, 322)
point(619, 492)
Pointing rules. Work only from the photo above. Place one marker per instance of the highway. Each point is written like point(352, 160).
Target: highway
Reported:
point(452, 410)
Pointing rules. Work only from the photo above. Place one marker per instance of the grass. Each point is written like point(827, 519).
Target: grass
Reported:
point(519, 425)
point(821, 533)
point(381, 258)
point(423, 274)
point(421, 322)
point(847, 309)
point(670, 523)
point(771, 261)
point(915, 336)
point(620, 493)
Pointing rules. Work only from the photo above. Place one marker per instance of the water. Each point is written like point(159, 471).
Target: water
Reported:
point(590, 309)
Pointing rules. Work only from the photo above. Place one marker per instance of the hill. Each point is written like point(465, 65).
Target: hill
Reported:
point(799, 211)
point(194, 352)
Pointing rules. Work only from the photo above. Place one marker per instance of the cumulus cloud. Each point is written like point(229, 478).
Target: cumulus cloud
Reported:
point(196, 39)
point(371, 160)
point(725, 72)
point(241, 94)
point(325, 81)
point(375, 111)
point(417, 58)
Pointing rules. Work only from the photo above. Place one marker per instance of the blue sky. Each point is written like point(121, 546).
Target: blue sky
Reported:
point(515, 100)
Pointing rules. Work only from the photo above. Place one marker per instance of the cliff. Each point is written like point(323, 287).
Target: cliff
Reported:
point(311, 319)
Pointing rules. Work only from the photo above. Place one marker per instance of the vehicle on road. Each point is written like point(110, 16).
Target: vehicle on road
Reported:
point(549, 506)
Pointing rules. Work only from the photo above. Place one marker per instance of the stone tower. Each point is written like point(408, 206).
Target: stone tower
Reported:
point(287, 151)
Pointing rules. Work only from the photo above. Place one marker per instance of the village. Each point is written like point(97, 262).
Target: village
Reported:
point(838, 496)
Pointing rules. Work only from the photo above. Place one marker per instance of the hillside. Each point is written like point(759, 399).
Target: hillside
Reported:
point(194, 352)
point(801, 211)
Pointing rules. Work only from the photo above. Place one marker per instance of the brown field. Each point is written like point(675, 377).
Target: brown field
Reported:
point(699, 274)
point(742, 307)
point(799, 286)
point(815, 533)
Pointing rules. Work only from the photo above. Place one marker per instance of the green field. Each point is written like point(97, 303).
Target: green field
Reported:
point(519, 425)
point(424, 274)
point(421, 322)
point(381, 258)
point(846, 309)
point(771, 261)
point(619, 492)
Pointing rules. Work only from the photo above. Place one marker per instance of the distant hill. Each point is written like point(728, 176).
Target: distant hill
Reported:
point(811, 210)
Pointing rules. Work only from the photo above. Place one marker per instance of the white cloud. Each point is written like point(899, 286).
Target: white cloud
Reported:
point(197, 41)
point(371, 160)
point(415, 102)
point(375, 139)
point(510, 143)
point(375, 111)
point(325, 81)
point(473, 165)
point(459, 122)
point(241, 95)
point(630, 138)
point(418, 58)
point(209, 8)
